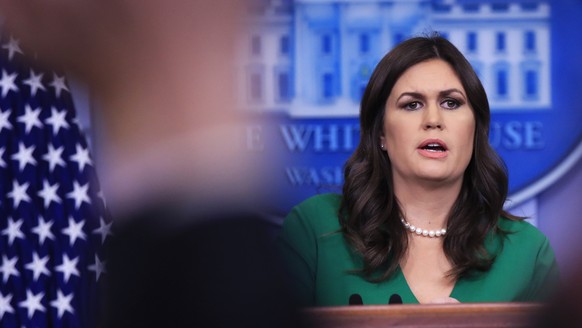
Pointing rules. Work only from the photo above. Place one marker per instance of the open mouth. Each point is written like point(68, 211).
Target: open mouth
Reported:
point(433, 146)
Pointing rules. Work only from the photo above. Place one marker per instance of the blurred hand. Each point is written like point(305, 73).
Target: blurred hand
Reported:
point(136, 53)
point(78, 34)
point(97, 38)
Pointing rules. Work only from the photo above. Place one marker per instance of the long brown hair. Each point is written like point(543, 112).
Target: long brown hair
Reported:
point(369, 213)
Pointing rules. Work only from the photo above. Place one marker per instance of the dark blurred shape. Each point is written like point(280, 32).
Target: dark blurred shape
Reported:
point(395, 299)
point(175, 266)
point(355, 299)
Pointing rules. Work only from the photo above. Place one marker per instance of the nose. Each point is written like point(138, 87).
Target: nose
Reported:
point(433, 118)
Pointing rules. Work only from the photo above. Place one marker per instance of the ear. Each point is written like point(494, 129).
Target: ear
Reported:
point(383, 143)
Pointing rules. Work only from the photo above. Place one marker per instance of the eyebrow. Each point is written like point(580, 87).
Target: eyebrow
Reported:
point(443, 93)
point(452, 90)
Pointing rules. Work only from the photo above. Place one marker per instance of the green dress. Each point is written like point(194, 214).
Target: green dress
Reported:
point(320, 262)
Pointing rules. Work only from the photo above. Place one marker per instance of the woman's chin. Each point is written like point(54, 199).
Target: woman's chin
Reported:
point(438, 178)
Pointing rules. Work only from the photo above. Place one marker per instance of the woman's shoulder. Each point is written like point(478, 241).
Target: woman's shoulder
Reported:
point(318, 213)
point(522, 234)
point(321, 203)
point(520, 229)
point(528, 257)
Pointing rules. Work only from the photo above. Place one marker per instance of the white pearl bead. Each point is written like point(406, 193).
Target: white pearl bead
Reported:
point(422, 232)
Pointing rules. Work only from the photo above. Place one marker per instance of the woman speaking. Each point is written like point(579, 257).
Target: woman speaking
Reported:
point(421, 216)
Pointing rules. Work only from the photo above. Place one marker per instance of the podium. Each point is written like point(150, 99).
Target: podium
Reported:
point(434, 315)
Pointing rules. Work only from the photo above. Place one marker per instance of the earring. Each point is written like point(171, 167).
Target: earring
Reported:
point(382, 146)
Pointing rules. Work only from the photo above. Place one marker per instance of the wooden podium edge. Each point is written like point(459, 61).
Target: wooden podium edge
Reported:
point(432, 309)
point(426, 315)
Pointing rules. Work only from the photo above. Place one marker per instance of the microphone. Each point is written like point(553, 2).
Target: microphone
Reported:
point(356, 299)
point(395, 299)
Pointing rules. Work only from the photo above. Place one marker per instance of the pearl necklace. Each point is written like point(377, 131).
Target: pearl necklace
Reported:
point(421, 232)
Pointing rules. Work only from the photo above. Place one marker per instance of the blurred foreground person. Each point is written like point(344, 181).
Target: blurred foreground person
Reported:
point(188, 249)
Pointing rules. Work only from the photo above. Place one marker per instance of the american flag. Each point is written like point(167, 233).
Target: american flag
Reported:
point(52, 222)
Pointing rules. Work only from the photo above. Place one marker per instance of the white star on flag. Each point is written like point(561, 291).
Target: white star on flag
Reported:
point(8, 268)
point(79, 194)
point(81, 157)
point(30, 118)
point(104, 229)
point(13, 47)
point(38, 266)
point(74, 230)
point(5, 306)
point(43, 230)
point(63, 303)
point(18, 193)
point(59, 84)
point(68, 268)
point(32, 303)
point(7, 83)
point(5, 120)
point(98, 267)
point(13, 230)
point(34, 82)
point(102, 197)
point(57, 120)
point(24, 156)
point(53, 157)
point(2, 162)
point(49, 193)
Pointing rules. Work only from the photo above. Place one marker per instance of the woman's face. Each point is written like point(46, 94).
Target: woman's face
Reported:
point(429, 125)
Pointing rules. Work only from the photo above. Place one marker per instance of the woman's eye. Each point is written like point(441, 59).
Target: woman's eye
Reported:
point(412, 105)
point(450, 104)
